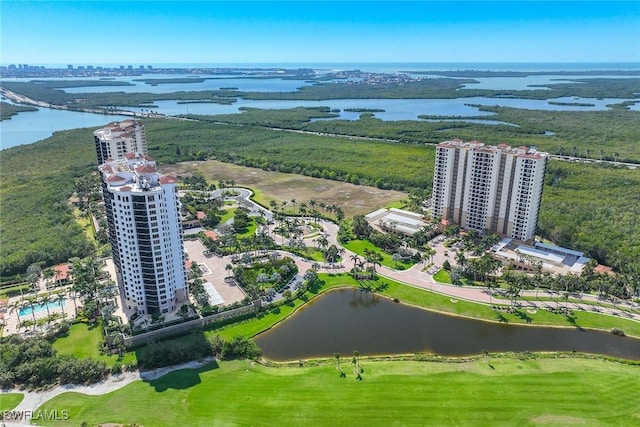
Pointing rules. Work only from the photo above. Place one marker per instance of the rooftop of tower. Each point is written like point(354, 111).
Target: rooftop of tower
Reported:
point(113, 130)
point(522, 151)
point(134, 172)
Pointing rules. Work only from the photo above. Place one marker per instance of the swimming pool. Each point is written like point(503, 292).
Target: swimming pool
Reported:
point(37, 308)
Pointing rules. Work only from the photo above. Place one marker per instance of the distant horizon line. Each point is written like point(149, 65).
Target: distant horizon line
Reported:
point(322, 62)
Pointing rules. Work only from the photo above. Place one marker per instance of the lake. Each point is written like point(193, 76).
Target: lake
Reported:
point(32, 126)
point(345, 320)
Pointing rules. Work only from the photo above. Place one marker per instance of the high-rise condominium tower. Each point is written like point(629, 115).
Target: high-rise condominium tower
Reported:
point(119, 138)
point(145, 234)
point(489, 189)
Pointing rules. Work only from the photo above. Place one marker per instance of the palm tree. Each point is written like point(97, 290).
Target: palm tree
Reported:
point(29, 302)
point(45, 300)
point(356, 356)
point(396, 257)
point(48, 274)
point(322, 241)
point(337, 357)
point(73, 295)
point(461, 260)
point(16, 306)
point(60, 298)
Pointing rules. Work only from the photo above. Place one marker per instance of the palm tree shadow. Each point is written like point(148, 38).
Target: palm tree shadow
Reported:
point(501, 318)
point(571, 318)
point(524, 316)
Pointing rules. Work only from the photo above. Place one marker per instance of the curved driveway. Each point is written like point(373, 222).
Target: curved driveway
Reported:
point(423, 280)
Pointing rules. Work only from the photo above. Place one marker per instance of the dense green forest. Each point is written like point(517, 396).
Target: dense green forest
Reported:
point(7, 110)
point(447, 88)
point(587, 207)
point(598, 135)
point(36, 222)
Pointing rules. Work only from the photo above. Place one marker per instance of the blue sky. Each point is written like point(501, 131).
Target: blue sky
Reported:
point(156, 32)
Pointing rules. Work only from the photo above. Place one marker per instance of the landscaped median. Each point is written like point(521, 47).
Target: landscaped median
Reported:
point(514, 390)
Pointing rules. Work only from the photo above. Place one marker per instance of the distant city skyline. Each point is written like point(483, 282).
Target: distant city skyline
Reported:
point(207, 32)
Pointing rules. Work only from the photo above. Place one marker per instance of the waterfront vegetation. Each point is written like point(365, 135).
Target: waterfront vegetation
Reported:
point(447, 88)
point(7, 110)
point(540, 389)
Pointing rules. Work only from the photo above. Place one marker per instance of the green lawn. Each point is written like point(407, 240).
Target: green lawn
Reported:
point(314, 254)
point(8, 401)
point(12, 291)
point(86, 223)
point(358, 246)
point(442, 276)
point(227, 214)
point(83, 342)
point(506, 391)
point(251, 229)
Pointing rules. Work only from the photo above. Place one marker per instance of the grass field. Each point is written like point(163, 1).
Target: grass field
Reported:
point(354, 199)
point(9, 401)
point(358, 246)
point(83, 342)
point(442, 276)
point(505, 391)
point(85, 222)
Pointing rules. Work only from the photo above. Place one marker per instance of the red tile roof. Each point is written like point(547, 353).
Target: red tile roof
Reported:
point(212, 234)
point(201, 215)
point(168, 179)
point(603, 269)
point(116, 178)
point(145, 169)
point(60, 272)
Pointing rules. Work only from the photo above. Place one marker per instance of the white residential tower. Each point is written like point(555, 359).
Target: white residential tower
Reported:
point(145, 234)
point(119, 138)
point(491, 189)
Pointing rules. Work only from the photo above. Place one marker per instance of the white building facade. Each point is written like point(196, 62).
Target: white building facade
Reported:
point(145, 234)
point(491, 189)
point(119, 138)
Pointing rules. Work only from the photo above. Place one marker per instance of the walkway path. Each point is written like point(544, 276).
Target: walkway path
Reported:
point(33, 400)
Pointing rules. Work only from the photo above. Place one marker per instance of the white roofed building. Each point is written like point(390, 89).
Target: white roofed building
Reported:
point(145, 234)
point(119, 138)
point(491, 189)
